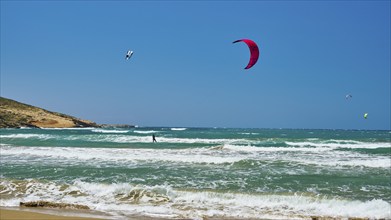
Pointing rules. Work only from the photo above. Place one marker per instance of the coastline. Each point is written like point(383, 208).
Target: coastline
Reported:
point(19, 213)
point(196, 173)
point(13, 213)
point(7, 213)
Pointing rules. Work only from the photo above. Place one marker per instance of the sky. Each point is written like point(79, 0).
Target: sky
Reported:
point(69, 57)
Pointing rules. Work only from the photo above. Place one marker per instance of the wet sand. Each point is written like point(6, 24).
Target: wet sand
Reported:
point(58, 214)
point(43, 214)
point(61, 214)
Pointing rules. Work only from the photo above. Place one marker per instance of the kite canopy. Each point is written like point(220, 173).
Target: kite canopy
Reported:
point(129, 54)
point(366, 115)
point(254, 51)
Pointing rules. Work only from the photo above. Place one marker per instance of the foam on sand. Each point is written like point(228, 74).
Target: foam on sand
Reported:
point(164, 201)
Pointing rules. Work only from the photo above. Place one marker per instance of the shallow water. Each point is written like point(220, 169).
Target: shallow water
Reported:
point(201, 172)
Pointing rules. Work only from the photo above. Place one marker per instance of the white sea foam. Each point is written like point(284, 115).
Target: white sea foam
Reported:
point(178, 129)
point(117, 138)
point(249, 148)
point(120, 155)
point(126, 199)
point(319, 156)
point(125, 136)
point(105, 136)
point(247, 133)
point(146, 132)
point(26, 136)
point(110, 131)
point(341, 144)
point(216, 155)
point(281, 206)
point(161, 139)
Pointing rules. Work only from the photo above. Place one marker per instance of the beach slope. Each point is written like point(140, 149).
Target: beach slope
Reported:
point(9, 214)
point(14, 114)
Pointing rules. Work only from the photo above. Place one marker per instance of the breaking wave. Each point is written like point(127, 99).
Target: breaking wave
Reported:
point(212, 155)
point(119, 199)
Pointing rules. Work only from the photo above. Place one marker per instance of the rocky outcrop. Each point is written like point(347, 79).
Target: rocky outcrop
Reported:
point(14, 114)
point(46, 204)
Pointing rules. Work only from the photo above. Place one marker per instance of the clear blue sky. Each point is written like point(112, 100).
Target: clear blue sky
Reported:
point(68, 57)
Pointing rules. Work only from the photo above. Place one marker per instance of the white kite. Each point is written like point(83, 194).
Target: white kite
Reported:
point(129, 54)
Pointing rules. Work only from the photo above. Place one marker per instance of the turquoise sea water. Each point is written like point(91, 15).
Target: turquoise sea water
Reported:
point(201, 172)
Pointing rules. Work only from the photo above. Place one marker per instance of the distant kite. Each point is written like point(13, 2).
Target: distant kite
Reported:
point(348, 96)
point(254, 52)
point(129, 55)
point(366, 115)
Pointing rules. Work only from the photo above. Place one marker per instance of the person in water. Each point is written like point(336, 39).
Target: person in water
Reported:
point(153, 138)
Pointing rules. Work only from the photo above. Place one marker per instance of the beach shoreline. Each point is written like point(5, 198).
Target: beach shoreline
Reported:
point(8, 213)
point(21, 213)
point(197, 173)
point(17, 213)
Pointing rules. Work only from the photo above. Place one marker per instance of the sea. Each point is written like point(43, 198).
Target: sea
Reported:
point(201, 173)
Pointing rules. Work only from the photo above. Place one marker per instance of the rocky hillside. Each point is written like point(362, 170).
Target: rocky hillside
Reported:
point(14, 114)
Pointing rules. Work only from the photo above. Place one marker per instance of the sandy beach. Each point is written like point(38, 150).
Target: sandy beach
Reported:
point(59, 214)
point(43, 214)
point(49, 214)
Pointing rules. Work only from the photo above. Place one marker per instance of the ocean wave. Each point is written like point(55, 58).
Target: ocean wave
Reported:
point(110, 131)
point(249, 148)
point(178, 129)
point(341, 144)
point(27, 136)
point(120, 155)
point(119, 199)
point(248, 133)
point(146, 132)
point(223, 154)
point(122, 136)
point(132, 136)
point(318, 157)
point(160, 139)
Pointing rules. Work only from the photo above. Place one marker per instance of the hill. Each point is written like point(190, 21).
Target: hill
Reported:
point(14, 114)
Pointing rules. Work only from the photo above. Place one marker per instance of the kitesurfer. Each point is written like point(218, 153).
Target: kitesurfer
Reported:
point(153, 138)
